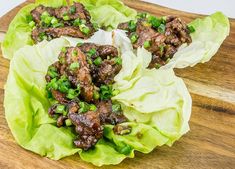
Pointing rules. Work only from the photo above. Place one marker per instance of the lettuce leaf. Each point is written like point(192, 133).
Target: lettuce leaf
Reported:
point(26, 107)
point(19, 31)
point(108, 13)
point(105, 13)
point(210, 33)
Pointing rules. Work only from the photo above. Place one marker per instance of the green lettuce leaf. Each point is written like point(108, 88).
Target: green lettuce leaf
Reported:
point(26, 107)
point(210, 32)
point(19, 31)
point(108, 13)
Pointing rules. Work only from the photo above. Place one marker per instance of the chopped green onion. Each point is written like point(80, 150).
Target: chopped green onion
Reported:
point(97, 61)
point(191, 29)
point(161, 28)
point(147, 44)
point(66, 18)
point(58, 25)
point(92, 107)
point(96, 26)
point(47, 20)
point(72, 10)
point(84, 107)
point(77, 22)
point(91, 52)
point(118, 60)
point(68, 122)
point(72, 93)
point(134, 38)
point(106, 92)
point(141, 15)
point(75, 53)
point(116, 107)
point(161, 48)
point(96, 95)
point(44, 15)
point(89, 61)
point(42, 36)
point(32, 24)
point(84, 29)
point(54, 21)
point(64, 49)
point(157, 66)
point(154, 21)
point(74, 66)
point(60, 109)
point(132, 25)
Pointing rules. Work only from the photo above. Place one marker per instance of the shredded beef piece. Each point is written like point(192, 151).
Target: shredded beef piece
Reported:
point(107, 71)
point(60, 97)
point(89, 128)
point(104, 109)
point(61, 120)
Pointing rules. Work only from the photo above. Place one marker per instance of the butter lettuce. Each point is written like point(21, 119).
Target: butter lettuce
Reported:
point(105, 13)
point(210, 33)
point(19, 31)
point(155, 123)
point(108, 13)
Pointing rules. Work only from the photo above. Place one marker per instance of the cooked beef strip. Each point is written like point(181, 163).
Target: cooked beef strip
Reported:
point(104, 109)
point(163, 45)
point(89, 128)
point(60, 97)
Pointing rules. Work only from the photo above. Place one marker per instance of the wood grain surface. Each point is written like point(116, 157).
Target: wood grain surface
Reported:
point(209, 144)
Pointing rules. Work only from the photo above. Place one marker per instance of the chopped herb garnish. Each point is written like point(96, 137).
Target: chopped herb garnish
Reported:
point(54, 21)
point(73, 93)
point(66, 18)
point(161, 49)
point(132, 25)
point(157, 66)
point(116, 107)
point(68, 122)
point(118, 60)
point(64, 49)
point(191, 29)
point(52, 72)
point(161, 28)
point(76, 22)
point(96, 95)
point(79, 44)
point(97, 61)
point(84, 29)
point(92, 107)
point(74, 66)
point(106, 92)
point(147, 44)
point(72, 10)
point(134, 38)
point(84, 107)
point(91, 52)
point(58, 25)
point(75, 53)
point(141, 15)
point(60, 109)
point(154, 21)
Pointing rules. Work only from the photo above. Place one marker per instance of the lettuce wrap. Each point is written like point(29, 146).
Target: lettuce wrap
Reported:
point(155, 123)
point(19, 32)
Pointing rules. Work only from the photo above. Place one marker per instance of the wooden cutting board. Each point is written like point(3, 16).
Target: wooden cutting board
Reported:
point(209, 144)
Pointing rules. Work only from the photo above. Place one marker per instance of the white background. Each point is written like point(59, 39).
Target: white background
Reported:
point(195, 6)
